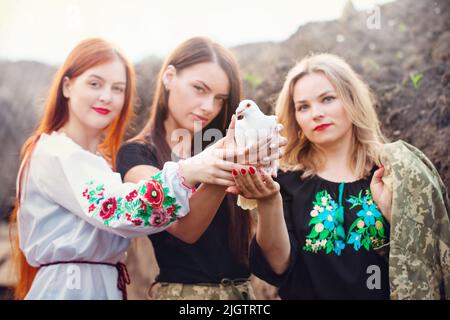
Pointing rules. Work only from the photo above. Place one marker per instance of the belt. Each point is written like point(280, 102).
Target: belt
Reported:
point(123, 276)
point(225, 282)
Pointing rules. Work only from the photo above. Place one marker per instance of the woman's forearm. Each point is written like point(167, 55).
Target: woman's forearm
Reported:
point(204, 204)
point(272, 235)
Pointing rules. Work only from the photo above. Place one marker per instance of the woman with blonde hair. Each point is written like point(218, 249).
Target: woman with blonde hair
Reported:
point(340, 202)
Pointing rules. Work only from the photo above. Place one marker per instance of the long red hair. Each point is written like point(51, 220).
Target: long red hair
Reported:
point(87, 54)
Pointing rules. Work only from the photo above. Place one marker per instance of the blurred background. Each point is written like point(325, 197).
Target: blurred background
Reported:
point(401, 48)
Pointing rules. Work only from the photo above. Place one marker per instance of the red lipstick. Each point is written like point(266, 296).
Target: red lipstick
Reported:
point(196, 117)
point(322, 127)
point(101, 111)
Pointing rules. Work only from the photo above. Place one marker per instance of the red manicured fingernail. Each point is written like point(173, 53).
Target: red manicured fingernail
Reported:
point(252, 170)
point(243, 171)
point(234, 172)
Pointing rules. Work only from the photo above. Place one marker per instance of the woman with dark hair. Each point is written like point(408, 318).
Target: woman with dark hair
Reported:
point(206, 256)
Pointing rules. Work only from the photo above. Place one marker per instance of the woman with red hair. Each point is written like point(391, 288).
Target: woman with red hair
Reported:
point(73, 214)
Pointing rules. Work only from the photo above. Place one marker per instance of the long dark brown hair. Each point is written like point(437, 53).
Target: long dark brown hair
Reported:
point(87, 54)
point(187, 54)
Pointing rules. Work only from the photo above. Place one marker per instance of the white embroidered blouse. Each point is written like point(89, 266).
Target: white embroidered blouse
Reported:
point(74, 208)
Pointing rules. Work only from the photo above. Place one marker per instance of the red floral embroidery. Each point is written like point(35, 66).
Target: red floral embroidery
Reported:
point(131, 196)
point(108, 208)
point(152, 207)
point(143, 205)
point(171, 211)
point(158, 218)
point(154, 194)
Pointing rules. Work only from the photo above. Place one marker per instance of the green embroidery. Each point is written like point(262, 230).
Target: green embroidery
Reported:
point(368, 229)
point(327, 220)
point(149, 204)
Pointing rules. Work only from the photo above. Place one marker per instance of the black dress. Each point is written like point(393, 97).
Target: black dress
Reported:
point(333, 228)
point(208, 260)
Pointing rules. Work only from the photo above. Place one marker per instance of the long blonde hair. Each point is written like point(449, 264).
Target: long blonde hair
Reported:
point(358, 102)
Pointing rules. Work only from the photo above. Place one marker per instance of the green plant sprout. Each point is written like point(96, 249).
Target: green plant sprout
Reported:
point(415, 79)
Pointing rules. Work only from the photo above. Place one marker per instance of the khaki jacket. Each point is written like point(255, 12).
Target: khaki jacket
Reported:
point(419, 255)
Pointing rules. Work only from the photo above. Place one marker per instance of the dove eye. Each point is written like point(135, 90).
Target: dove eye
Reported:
point(240, 117)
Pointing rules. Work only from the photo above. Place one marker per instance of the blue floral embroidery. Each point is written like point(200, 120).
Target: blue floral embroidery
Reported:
point(355, 239)
point(339, 245)
point(327, 219)
point(369, 213)
point(369, 226)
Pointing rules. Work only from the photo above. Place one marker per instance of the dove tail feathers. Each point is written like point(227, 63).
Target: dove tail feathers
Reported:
point(246, 204)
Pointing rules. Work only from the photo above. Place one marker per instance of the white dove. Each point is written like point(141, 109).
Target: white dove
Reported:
point(251, 126)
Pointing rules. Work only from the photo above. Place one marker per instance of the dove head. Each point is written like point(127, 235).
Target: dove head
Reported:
point(245, 108)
